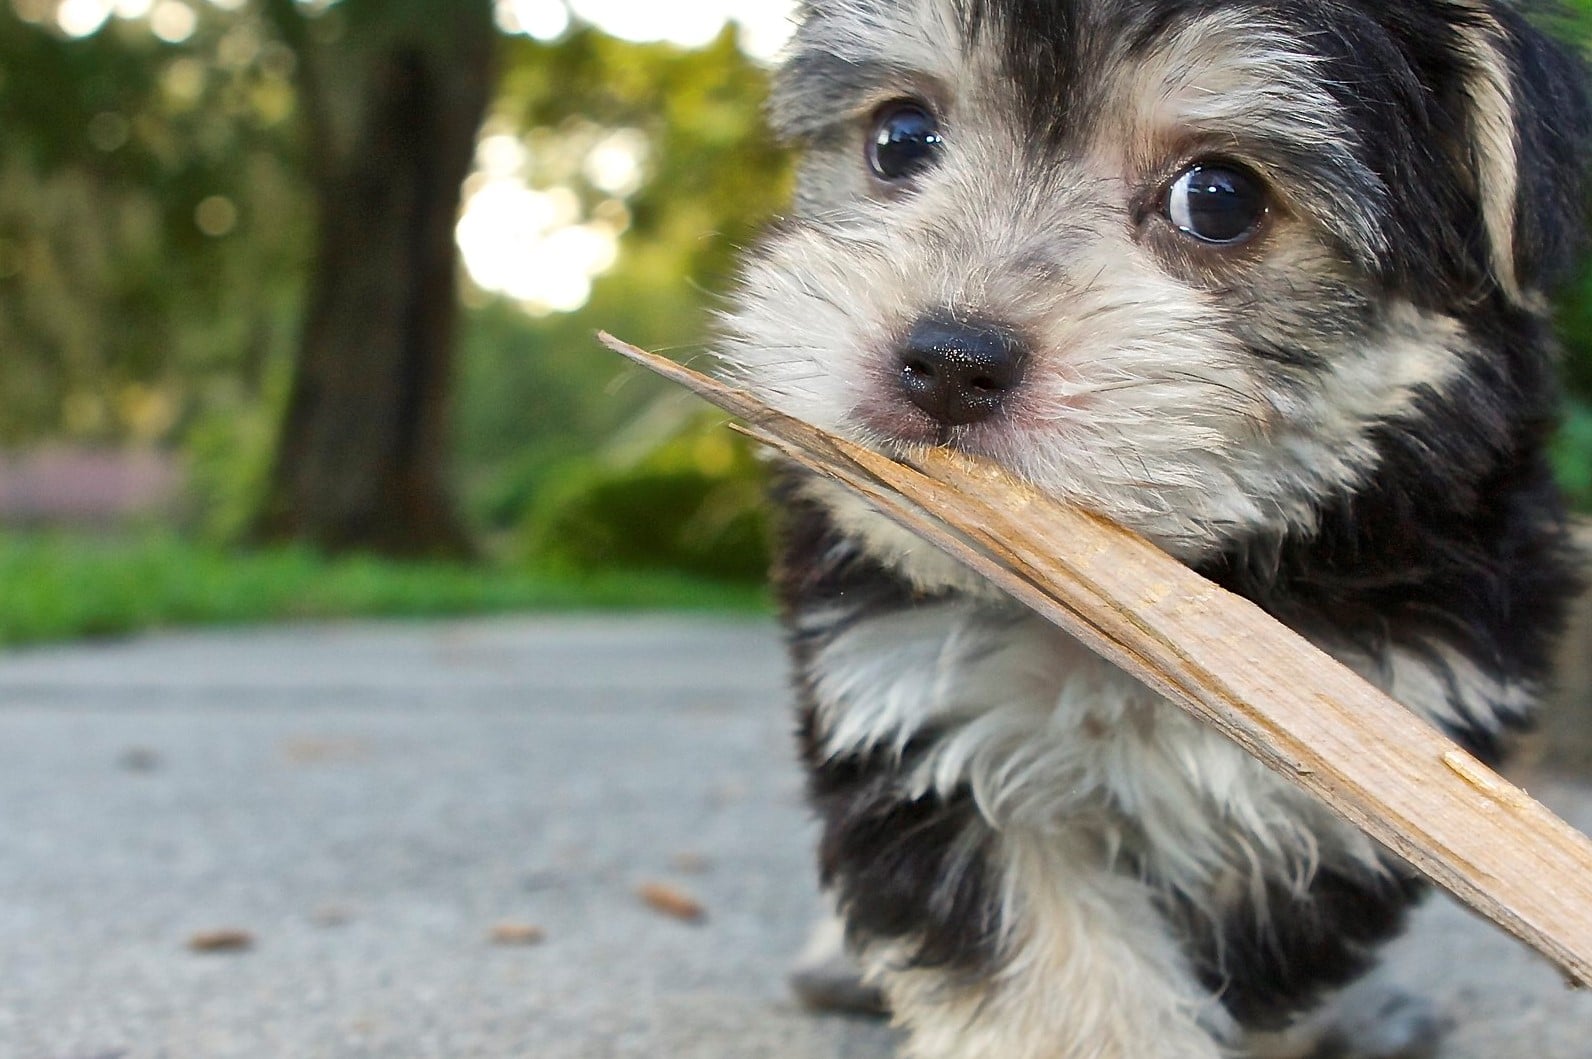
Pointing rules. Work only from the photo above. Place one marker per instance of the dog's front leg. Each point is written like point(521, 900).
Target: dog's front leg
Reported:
point(1084, 969)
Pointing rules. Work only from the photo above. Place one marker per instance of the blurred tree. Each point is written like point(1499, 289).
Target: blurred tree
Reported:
point(390, 95)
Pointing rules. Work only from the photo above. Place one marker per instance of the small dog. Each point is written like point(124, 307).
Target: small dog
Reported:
point(1261, 279)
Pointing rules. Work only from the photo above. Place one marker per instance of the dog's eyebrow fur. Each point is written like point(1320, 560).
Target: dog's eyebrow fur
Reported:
point(1238, 81)
point(817, 88)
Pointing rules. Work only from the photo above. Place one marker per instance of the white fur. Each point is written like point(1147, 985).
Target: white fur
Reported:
point(1083, 943)
point(1139, 405)
point(1054, 741)
point(1069, 760)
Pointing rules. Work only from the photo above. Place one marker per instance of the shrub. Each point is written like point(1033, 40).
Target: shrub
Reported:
point(693, 504)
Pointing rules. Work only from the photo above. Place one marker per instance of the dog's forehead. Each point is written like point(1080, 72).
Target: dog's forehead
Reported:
point(1056, 57)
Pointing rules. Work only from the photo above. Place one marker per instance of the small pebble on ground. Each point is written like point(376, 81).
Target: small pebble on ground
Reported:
point(671, 901)
point(227, 939)
point(510, 932)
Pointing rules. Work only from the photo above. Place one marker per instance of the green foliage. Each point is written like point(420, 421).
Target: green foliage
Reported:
point(538, 392)
point(151, 225)
point(1570, 454)
point(122, 319)
point(534, 393)
point(230, 442)
point(65, 586)
point(1572, 449)
point(549, 439)
point(715, 174)
point(1575, 328)
point(125, 318)
point(693, 504)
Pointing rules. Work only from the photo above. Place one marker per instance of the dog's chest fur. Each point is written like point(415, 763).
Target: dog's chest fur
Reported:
point(1046, 738)
point(936, 720)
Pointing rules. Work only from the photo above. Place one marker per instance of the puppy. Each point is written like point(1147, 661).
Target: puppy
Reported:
point(1261, 279)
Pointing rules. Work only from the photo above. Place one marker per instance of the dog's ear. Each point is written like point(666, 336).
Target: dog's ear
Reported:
point(1528, 129)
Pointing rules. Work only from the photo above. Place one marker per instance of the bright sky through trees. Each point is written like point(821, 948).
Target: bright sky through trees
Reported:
point(530, 244)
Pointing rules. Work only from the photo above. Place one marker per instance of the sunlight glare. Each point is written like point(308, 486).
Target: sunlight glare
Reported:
point(765, 25)
point(542, 19)
point(689, 23)
point(532, 245)
point(587, 248)
point(501, 155)
point(525, 244)
point(614, 165)
point(81, 18)
point(172, 21)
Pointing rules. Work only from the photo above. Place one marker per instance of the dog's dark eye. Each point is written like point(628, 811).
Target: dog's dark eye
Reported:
point(1216, 202)
point(905, 141)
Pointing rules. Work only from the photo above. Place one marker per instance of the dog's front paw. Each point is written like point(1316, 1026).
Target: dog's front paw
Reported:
point(1371, 1020)
point(1389, 1024)
point(826, 978)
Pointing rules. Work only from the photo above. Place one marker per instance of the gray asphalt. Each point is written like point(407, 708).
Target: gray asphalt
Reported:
point(367, 802)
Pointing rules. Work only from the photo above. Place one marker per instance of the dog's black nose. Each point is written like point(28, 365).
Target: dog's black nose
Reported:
point(958, 371)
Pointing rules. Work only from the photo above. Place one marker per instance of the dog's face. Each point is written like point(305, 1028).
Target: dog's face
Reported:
point(1181, 261)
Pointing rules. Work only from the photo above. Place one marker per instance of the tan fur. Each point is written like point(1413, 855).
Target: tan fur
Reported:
point(1494, 142)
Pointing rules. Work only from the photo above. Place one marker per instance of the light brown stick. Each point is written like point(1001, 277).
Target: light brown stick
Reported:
point(1227, 662)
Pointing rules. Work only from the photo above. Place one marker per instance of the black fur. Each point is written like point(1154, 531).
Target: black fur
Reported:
point(1458, 539)
point(1460, 536)
point(904, 869)
point(1267, 968)
point(1042, 44)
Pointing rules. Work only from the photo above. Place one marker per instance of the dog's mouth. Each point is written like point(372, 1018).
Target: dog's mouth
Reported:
point(887, 425)
point(882, 418)
point(898, 431)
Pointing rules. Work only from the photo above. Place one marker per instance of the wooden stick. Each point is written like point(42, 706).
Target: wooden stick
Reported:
point(1230, 664)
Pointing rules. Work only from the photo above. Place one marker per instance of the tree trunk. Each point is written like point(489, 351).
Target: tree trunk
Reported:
point(362, 459)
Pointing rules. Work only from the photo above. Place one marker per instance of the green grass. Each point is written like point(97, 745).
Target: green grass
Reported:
point(62, 586)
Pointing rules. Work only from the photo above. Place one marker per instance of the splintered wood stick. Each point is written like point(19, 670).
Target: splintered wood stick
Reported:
point(1228, 663)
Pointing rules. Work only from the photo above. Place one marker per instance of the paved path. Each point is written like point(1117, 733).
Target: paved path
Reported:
point(367, 802)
